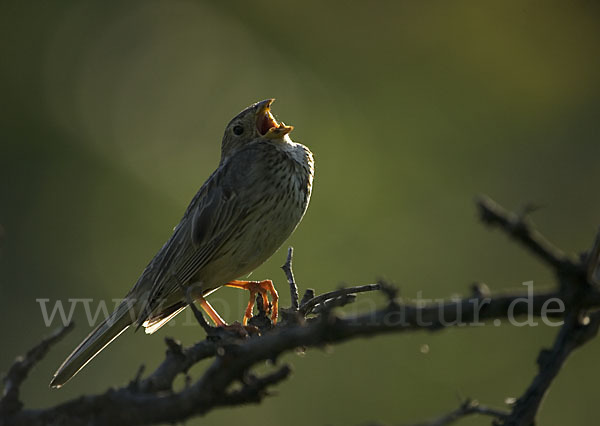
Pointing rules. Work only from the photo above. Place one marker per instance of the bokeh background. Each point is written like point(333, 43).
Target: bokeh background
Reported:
point(112, 116)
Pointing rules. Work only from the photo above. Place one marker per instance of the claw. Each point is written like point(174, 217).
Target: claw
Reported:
point(262, 287)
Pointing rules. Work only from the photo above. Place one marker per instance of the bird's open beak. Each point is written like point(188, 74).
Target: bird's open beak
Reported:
point(266, 124)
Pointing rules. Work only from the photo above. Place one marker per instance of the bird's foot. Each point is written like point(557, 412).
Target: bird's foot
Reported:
point(258, 287)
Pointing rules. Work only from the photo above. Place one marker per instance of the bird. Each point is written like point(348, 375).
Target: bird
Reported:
point(239, 217)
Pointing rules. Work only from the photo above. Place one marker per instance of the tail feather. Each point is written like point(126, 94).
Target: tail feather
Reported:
point(97, 340)
point(152, 324)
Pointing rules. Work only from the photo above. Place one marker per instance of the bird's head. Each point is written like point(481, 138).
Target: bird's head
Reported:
point(255, 122)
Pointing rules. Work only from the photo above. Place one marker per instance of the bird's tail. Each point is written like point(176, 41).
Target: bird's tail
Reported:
point(97, 340)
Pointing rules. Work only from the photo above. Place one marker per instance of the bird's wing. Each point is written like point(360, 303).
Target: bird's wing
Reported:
point(215, 214)
point(213, 223)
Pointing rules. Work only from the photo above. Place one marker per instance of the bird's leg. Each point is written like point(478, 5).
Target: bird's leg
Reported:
point(262, 287)
point(241, 331)
point(211, 312)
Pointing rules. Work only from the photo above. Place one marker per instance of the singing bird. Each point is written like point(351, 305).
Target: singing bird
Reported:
point(241, 215)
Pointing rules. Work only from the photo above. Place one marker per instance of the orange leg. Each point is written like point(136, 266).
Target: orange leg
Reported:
point(211, 312)
point(262, 287)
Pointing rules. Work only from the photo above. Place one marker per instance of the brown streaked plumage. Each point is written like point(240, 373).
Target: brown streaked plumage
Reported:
point(242, 214)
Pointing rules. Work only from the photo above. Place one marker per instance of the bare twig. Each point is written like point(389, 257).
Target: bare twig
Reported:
point(309, 293)
point(337, 302)
point(519, 228)
point(467, 408)
point(289, 273)
point(18, 372)
point(307, 307)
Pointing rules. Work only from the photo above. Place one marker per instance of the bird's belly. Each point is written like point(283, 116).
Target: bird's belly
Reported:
point(256, 242)
point(266, 238)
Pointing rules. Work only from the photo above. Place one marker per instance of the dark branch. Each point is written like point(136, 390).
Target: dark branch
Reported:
point(22, 366)
point(307, 306)
point(520, 228)
point(467, 408)
point(178, 361)
point(255, 390)
point(592, 261)
point(577, 287)
point(573, 334)
point(229, 380)
point(289, 273)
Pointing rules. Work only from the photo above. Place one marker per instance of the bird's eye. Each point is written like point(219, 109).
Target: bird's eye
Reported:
point(238, 130)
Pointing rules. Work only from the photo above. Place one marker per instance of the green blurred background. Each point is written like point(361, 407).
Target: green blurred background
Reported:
point(112, 116)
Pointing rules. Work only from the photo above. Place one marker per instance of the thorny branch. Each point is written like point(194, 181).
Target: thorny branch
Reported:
point(313, 322)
